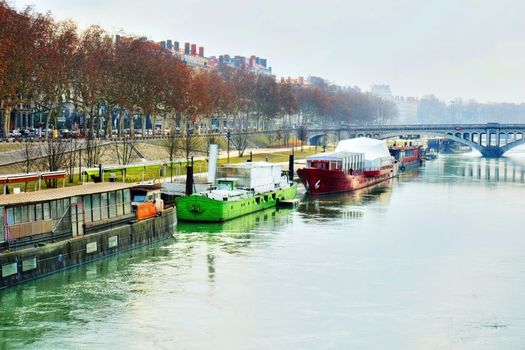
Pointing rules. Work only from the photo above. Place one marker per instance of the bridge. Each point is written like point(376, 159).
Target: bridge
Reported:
point(490, 139)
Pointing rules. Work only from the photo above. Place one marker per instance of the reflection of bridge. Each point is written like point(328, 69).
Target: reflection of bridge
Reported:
point(491, 139)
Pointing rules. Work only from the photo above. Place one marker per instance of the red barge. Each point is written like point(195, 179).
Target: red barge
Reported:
point(408, 156)
point(355, 164)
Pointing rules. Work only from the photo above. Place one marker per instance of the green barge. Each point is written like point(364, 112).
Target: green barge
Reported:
point(242, 189)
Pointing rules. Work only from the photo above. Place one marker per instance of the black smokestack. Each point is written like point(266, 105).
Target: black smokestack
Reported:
point(290, 166)
point(189, 180)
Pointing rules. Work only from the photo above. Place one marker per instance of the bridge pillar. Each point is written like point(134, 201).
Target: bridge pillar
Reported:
point(491, 151)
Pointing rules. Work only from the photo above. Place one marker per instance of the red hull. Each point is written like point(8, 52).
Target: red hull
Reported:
point(323, 181)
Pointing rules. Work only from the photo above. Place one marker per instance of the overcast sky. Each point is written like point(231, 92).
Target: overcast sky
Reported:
point(461, 48)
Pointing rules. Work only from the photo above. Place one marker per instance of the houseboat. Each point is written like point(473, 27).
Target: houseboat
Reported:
point(355, 164)
point(46, 231)
point(408, 155)
point(240, 189)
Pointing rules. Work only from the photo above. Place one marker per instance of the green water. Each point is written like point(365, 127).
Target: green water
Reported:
point(431, 260)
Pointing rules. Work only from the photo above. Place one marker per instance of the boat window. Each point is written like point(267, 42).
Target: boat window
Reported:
point(53, 206)
point(18, 215)
point(38, 210)
point(87, 207)
point(127, 201)
point(112, 204)
point(225, 185)
point(266, 198)
point(31, 213)
point(120, 206)
point(2, 237)
point(104, 205)
point(140, 198)
point(95, 202)
point(273, 196)
point(47, 214)
point(258, 200)
point(10, 216)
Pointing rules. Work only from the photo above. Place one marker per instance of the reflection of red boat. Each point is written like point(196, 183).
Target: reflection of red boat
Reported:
point(408, 156)
point(355, 164)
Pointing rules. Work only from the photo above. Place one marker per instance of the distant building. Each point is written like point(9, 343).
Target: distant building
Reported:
point(252, 64)
point(382, 91)
point(407, 109)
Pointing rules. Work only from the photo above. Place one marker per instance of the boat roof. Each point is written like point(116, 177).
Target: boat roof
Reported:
point(372, 148)
point(249, 165)
point(63, 192)
point(332, 155)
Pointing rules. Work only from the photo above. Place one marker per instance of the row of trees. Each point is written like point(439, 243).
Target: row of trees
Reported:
point(433, 110)
point(50, 65)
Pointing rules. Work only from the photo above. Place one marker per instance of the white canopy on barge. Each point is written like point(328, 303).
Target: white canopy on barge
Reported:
point(355, 154)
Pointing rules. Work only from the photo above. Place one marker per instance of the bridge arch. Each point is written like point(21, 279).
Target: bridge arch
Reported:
point(449, 136)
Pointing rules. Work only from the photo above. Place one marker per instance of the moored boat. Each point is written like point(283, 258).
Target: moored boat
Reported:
point(46, 231)
point(240, 189)
point(407, 155)
point(430, 154)
point(355, 163)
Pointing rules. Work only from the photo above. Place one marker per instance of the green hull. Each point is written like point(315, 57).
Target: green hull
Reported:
point(202, 208)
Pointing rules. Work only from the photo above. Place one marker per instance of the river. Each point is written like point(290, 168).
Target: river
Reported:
point(434, 259)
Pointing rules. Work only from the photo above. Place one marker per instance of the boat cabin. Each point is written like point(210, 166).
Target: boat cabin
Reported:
point(63, 212)
point(344, 161)
point(405, 153)
point(257, 176)
point(146, 200)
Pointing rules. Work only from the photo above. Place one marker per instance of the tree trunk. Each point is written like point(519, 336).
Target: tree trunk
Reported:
point(132, 126)
point(109, 123)
point(7, 120)
point(121, 117)
point(143, 119)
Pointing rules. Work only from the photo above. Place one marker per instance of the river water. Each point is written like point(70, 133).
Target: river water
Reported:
point(435, 259)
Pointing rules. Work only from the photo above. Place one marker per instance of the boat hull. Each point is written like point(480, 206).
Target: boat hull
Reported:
point(323, 181)
point(204, 209)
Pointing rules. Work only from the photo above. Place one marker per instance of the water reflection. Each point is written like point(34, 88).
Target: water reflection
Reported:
point(240, 227)
point(345, 206)
point(488, 170)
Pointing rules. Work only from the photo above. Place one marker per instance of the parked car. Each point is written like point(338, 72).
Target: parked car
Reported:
point(15, 133)
point(64, 133)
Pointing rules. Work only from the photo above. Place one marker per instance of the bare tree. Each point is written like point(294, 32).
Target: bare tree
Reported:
point(72, 158)
point(125, 150)
point(172, 145)
point(189, 142)
point(93, 149)
point(30, 153)
point(54, 157)
point(302, 135)
point(240, 140)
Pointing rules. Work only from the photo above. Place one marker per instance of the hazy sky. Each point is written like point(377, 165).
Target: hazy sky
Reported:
point(461, 48)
